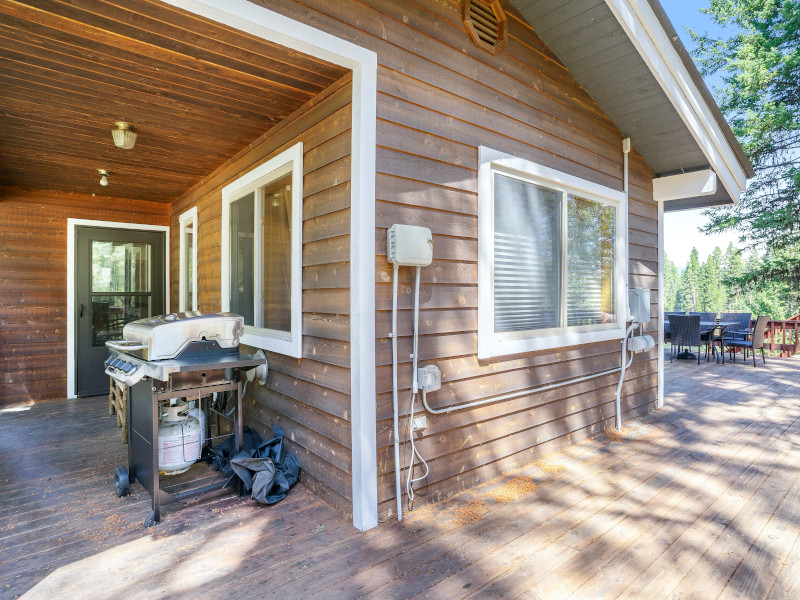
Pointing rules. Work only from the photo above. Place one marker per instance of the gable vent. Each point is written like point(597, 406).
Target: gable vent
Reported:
point(486, 23)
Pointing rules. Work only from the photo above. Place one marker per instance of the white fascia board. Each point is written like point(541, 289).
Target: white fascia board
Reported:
point(651, 41)
point(685, 185)
point(274, 27)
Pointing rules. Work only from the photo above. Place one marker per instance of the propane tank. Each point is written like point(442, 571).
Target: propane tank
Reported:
point(197, 413)
point(178, 439)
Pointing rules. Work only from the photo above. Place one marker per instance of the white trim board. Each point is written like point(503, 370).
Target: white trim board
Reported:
point(647, 35)
point(274, 27)
point(72, 225)
point(190, 216)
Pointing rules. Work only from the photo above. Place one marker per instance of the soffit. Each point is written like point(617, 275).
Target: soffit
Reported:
point(591, 43)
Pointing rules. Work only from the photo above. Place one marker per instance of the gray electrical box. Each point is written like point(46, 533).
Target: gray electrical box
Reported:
point(639, 304)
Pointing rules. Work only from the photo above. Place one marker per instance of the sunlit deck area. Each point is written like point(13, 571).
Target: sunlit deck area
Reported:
point(699, 500)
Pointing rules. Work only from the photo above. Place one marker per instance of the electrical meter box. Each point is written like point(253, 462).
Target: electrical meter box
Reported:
point(639, 304)
point(409, 245)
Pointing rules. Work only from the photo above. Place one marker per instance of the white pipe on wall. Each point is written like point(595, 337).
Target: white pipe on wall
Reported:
point(394, 395)
point(617, 401)
point(525, 392)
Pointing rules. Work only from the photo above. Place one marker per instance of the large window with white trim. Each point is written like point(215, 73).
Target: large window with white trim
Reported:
point(261, 252)
point(552, 257)
point(187, 267)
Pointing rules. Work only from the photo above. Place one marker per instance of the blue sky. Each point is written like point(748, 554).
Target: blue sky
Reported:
point(680, 229)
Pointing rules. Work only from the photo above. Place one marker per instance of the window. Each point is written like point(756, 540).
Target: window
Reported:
point(261, 252)
point(187, 279)
point(552, 255)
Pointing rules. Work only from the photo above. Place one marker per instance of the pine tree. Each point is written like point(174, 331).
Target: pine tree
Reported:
point(671, 284)
point(732, 271)
point(711, 288)
point(689, 288)
point(760, 68)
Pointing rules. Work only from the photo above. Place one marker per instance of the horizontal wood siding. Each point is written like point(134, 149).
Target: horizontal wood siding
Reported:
point(33, 283)
point(439, 99)
point(309, 397)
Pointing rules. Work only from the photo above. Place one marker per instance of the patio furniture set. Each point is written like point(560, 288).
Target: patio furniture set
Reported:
point(731, 331)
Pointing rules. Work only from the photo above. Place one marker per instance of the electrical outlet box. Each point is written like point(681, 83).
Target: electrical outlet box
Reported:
point(429, 378)
point(419, 423)
point(639, 304)
point(409, 245)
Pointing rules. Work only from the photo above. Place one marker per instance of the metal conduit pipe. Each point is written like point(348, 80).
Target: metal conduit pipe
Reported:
point(525, 392)
point(394, 395)
point(617, 400)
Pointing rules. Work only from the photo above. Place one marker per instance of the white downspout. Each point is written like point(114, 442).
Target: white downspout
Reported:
point(394, 396)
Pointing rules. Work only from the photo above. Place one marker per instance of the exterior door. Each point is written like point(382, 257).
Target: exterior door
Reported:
point(119, 278)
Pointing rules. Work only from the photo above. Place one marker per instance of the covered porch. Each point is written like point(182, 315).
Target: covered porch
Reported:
point(698, 500)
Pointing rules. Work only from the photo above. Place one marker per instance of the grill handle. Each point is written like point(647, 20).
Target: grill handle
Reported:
point(125, 346)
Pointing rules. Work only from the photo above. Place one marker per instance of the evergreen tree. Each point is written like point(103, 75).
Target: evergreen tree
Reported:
point(690, 289)
point(671, 284)
point(710, 286)
point(732, 271)
point(760, 67)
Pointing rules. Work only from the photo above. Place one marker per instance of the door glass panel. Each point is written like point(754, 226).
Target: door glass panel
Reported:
point(277, 258)
point(120, 285)
point(110, 313)
point(120, 267)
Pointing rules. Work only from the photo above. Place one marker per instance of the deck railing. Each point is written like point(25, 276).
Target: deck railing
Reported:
point(781, 337)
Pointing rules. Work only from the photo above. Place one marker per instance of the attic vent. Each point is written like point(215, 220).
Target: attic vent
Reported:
point(486, 23)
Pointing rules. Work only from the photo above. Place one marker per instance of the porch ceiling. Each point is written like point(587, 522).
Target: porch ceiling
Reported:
point(197, 93)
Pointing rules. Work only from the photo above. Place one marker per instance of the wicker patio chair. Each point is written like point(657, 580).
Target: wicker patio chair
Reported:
point(755, 343)
point(685, 332)
point(667, 331)
point(742, 320)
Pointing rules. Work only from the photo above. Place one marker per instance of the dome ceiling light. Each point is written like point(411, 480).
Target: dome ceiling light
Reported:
point(124, 135)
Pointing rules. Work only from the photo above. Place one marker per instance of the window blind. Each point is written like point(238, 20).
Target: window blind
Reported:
point(527, 255)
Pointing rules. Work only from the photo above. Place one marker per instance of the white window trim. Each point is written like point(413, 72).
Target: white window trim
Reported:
point(289, 161)
point(187, 218)
point(491, 344)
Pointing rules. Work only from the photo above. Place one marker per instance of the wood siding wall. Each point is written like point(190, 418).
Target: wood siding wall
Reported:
point(439, 99)
point(308, 397)
point(33, 283)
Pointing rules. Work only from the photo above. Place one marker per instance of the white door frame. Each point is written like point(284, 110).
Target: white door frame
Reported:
point(274, 27)
point(72, 226)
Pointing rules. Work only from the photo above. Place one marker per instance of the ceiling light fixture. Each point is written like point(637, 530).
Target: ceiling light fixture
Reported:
point(103, 176)
point(124, 135)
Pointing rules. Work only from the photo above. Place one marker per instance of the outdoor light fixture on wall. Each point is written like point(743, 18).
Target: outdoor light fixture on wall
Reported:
point(124, 135)
point(104, 176)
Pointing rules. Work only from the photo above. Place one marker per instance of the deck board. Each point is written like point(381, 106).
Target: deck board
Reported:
point(699, 500)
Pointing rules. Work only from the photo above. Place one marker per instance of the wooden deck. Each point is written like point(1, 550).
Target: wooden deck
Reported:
point(700, 500)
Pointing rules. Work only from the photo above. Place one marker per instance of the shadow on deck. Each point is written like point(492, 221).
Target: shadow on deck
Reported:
point(700, 499)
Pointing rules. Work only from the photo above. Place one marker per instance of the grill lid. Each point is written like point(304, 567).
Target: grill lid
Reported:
point(166, 336)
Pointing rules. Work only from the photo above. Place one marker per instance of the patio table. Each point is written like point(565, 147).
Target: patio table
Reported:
point(710, 327)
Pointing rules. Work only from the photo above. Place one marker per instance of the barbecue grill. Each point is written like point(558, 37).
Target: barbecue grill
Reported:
point(185, 355)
